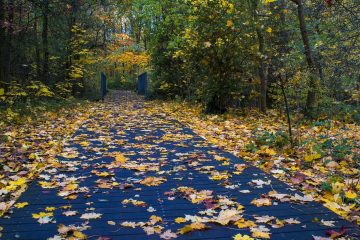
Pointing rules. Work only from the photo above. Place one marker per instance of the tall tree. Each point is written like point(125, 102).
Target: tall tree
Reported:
point(313, 85)
point(45, 41)
point(2, 45)
point(262, 66)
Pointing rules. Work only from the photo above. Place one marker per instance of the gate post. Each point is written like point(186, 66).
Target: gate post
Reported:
point(142, 84)
point(103, 85)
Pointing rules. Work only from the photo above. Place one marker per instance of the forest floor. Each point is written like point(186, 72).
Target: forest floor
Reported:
point(30, 140)
point(325, 161)
point(324, 166)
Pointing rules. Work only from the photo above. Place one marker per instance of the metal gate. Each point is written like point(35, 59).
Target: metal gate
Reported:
point(103, 85)
point(142, 84)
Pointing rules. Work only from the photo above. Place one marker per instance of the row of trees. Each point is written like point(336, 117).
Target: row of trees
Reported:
point(223, 53)
point(257, 53)
point(56, 48)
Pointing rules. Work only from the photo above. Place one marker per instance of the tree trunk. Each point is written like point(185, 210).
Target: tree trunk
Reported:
point(319, 61)
point(45, 42)
point(311, 101)
point(287, 110)
point(8, 44)
point(262, 72)
point(37, 51)
point(2, 46)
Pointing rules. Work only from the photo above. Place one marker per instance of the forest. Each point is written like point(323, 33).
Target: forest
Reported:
point(296, 55)
point(274, 82)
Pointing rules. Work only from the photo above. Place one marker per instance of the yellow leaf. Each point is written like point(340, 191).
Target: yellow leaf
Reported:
point(103, 174)
point(258, 234)
point(337, 187)
point(240, 207)
point(269, 1)
point(229, 23)
point(261, 202)
point(270, 152)
point(71, 187)
point(219, 158)
point(242, 237)
point(269, 30)
point(79, 235)
point(42, 214)
point(350, 195)
point(19, 182)
point(120, 158)
point(192, 227)
point(245, 224)
point(180, 220)
point(155, 219)
point(84, 144)
point(310, 158)
point(152, 181)
point(2, 91)
point(21, 204)
point(50, 209)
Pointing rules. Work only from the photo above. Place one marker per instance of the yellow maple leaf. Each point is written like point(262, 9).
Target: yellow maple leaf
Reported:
point(42, 214)
point(261, 202)
point(84, 144)
point(192, 227)
point(219, 177)
point(120, 158)
point(152, 181)
point(242, 237)
point(155, 219)
point(350, 195)
point(71, 187)
point(180, 220)
point(312, 157)
point(79, 235)
point(50, 209)
point(229, 23)
point(258, 234)
point(219, 158)
point(21, 204)
point(337, 187)
point(18, 182)
point(103, 174)
point(242, 223)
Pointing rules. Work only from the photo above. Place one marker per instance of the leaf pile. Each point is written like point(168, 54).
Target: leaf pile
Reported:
point(325, 164)
point(26, 149)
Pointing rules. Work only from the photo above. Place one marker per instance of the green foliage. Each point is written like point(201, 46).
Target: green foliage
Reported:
point(278, 139)
point(121, 84)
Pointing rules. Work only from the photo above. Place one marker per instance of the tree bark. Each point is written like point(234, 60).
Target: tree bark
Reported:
point(2, 46)
point(45, 42)
point(8, 44)
point(287, 110)
point(311, 101)
point(37, 50)
point(262, 72)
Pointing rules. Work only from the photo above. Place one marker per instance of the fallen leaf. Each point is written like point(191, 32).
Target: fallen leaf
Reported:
point(168, 234)
point(262, 202)
point(89, 216)
point(192, 227)
point(21, 204)
point(242, 237)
